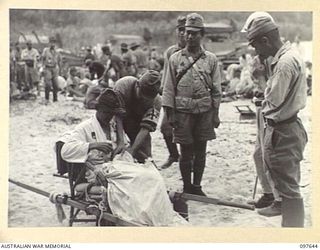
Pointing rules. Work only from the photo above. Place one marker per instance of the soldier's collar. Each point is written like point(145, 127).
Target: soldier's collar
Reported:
point(185, 52)
point(285, 47)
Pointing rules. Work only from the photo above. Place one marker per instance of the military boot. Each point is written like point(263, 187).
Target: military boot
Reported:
point(292, 212)
point(185, 170)
point(273, 210)
point(264, 201)
point(173, 152)
point(197, 190)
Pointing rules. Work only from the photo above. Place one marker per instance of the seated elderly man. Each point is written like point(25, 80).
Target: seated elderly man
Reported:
point(136, 192)
point(95, 133)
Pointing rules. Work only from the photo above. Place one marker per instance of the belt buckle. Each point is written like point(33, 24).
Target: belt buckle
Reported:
point(265, 122)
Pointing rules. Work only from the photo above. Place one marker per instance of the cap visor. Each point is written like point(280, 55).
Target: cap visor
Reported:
point(244, 29)
point(193, 28)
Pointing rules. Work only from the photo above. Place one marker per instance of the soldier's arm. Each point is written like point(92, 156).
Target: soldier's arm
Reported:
point(59, 62)
point(43, 57)
point(165, 71)
point(216, 83)
point(168, 94)
point(148, 124)
point(37, 56)
point(120, 136)
point(216, 92)
point(139, 141)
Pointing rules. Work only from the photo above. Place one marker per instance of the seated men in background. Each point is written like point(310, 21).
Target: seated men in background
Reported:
point(85, 83)
point(234, 81)
point(142, 105)
point(246, 86)
point(73, 84)
point(64, 70)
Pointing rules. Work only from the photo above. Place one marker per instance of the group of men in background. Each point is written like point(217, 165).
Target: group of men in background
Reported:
point(29, 67)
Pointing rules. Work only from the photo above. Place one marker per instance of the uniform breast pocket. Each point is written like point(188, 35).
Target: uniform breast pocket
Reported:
point(184, 89)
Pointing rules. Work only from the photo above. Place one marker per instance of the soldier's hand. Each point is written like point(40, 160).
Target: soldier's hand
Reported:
point(216, 119)
point(119, 149)
point(129, 150)
point(161, 90)
point(168, 112)
point(95, 159)
point(105, 147)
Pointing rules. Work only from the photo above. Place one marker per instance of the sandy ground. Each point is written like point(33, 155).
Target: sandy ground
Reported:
point(229, 174)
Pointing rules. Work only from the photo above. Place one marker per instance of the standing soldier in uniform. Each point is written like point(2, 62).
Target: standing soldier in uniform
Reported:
point(166, 128)
point(89, 54)
point(128, 60)
point(18, 66)
point(191, 99)
point(284, 135)
point(113, 63)
point(140, 58)
point(31, 56)
point(51, 61)
point(269, 204)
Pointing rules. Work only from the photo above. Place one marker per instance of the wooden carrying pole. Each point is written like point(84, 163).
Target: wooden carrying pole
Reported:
point(62, 199)
point(214, 201)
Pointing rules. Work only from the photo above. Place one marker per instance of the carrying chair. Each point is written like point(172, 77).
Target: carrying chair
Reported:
point(91, 194)
point(80, 189)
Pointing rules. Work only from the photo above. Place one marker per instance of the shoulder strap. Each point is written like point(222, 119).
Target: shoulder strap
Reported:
point(184, 71)
point(196, 68)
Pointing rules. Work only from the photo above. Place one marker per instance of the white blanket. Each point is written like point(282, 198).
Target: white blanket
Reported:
point(137, 193)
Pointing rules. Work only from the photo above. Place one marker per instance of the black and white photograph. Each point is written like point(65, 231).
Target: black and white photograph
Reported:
point(160, 118)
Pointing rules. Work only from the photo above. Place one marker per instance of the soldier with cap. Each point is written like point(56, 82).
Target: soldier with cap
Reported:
point(128, 60)
point(140, 58)
point(166, 128)
point(19, 66)
point(191, 99)
point(284, 135)
point(269, 203)
point(113, 63)
point(89, 54)
point(31, 56)
point(142, 105)
point(51, 61)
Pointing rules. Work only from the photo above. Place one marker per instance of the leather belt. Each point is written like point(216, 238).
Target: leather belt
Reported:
point(272, 123)
point(199, 96)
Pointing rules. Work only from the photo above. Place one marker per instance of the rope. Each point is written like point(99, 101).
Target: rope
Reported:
point(102, 204)
point(53, 197)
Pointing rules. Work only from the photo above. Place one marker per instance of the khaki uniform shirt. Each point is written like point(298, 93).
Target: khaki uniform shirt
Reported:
point(30, 55)
point(199, 89)
point(141, 58)
point(142, 111)
point(171, 50)
point(287, 71)
point(51, 58)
